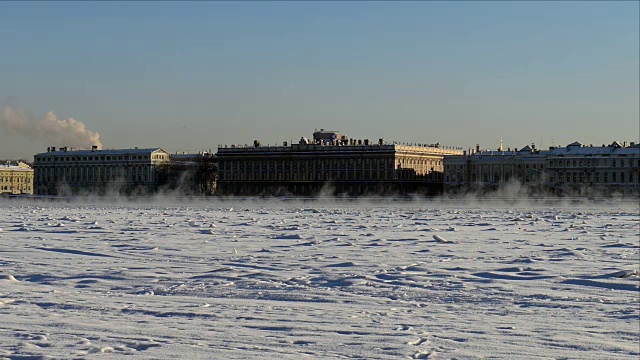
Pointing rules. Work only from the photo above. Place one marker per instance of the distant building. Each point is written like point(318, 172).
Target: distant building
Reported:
point(575, 169)
point(331, 163)
point(483, 170)
point(16, 179)
point(119, 171)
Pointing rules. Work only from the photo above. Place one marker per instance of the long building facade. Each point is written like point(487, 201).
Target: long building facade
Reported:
point(331, 164)
point(491, 169)
point(587, 170)
point(16, 179)
point(102, 172)
point(574, 170)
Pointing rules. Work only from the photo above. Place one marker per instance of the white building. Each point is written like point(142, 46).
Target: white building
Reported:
point(123, 171)
point(577, 169)
point(489, 170)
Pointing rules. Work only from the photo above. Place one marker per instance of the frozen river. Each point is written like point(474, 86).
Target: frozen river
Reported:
point(349, 280)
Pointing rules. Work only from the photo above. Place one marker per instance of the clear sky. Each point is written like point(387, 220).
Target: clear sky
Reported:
point(189, 76)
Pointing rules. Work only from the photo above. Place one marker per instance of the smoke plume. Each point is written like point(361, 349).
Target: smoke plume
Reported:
point(52, 130)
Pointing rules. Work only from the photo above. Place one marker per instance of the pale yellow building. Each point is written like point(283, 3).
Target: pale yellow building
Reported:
point(16, 179)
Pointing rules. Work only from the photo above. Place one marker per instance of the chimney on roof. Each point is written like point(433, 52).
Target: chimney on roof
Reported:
point(477, 147)
point(94, 148)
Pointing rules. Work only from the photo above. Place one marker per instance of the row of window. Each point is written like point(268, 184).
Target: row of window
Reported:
point(93, 170)
point(95, 173)
point(11, 188)
point(596, 162)
point(239, 164)
point(604, 177)
point(566, 163)
point(497, 177)
point(615, 177)
point(305, 176)
point(335, 174)
point(21, 179)
point(422, 166)
point(294, 168)
point(496, 166)
point(103, 158)
point(95, 178)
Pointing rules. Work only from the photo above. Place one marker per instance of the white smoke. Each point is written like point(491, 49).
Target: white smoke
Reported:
point(53, 130)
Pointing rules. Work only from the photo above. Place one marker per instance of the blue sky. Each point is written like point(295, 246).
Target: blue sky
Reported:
point(189, 76)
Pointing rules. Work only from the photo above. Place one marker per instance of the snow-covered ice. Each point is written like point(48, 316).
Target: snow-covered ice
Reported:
point(288, 280)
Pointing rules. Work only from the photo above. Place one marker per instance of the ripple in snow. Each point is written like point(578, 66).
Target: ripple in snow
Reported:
point(288, 237)
point(624, 274)
point(440, 239)
point(8, 277)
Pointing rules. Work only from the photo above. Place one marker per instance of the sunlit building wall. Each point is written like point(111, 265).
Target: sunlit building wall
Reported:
point(16, 179)
point(333, 165)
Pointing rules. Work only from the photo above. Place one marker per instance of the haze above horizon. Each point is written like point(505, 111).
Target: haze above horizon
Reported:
point(189, 76)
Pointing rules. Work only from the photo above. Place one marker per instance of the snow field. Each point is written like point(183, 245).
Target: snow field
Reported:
point(286, 281)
